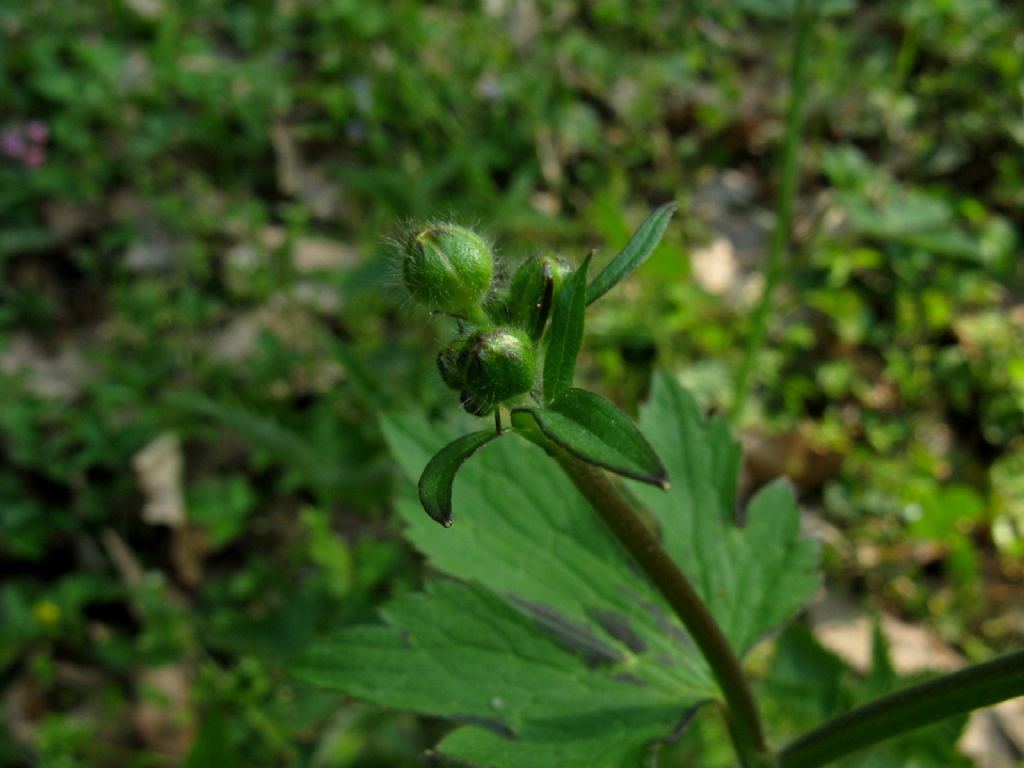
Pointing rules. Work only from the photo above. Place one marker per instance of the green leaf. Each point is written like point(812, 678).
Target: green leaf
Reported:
point(752, 577)
point(593, 429)
point(435, 486)
point(566, 334)
point(526, 533)
point(461, 652)
point(636, 252)
point(804, 682)
point(550, 649)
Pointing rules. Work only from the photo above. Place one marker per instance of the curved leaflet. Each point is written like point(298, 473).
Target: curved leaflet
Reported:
point(435, 486)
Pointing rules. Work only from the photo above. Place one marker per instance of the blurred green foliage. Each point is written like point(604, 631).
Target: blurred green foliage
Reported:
point(201, 251)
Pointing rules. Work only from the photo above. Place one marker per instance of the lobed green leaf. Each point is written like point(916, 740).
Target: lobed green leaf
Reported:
point(753, 577)
point(550, 649)
point(461, 652)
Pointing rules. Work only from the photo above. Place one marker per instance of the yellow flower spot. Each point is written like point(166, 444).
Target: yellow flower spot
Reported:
point(46, 613)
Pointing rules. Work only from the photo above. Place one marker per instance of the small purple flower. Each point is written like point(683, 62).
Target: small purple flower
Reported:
point(37, 131)
point(12, 143)
point(34, 157)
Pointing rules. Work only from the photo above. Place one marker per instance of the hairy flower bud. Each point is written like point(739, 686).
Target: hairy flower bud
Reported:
point(474, 406)
point(449, 269)
point(500, 364)
point(533, 291)
point(496, 306)
point(451, 363)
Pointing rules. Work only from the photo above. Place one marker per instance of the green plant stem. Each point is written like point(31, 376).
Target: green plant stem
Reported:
point(784, 211)
point(978, 686)
point(743, 718)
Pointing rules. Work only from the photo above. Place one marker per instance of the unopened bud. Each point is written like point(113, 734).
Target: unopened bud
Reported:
point(449, 269)
point(533, 291)
point(451, 363)
point(500, 365)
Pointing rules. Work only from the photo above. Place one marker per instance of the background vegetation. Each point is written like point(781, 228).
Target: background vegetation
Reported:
point(200, 324)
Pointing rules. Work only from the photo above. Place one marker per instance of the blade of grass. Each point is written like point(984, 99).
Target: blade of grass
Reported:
point(784, 212)
point(977, 686)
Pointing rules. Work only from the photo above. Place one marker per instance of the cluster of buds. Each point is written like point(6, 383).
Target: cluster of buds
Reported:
point(450, 269)
point(26, 143)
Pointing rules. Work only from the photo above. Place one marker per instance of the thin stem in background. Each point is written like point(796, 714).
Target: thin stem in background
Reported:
point(784, 211)
point(742, 715)
point(978, 686)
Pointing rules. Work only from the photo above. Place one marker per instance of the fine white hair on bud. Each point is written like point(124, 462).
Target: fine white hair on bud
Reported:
point(531, 294)
point(448, 268)
point(497, 365)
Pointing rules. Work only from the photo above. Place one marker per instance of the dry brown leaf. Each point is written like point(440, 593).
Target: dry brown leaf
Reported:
point(155, 251)
point(162, 713)
point(793, 454)
point(305, 181)
point(312, 254)
point(189, 548)
point(59, 374)
point(159, 468)
point(68, 219)
point(715, 267)
point(147, 9)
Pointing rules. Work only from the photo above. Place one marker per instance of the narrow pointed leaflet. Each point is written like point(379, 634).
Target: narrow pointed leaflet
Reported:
point(566, 334)
point(636, 252)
